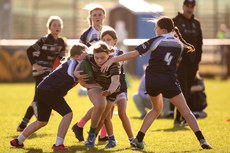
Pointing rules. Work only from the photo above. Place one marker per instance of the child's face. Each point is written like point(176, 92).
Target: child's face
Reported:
point(81, 57)
point(109, 40)
point(97, 16)
point(158, 30)
point(101, 58)
point(55, 27)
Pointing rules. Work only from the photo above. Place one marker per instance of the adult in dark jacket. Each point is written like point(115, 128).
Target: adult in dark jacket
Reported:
point(190, 30)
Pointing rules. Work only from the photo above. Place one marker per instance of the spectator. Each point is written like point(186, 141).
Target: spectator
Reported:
point(197, 98)
point(190, 30)
point(142, 101)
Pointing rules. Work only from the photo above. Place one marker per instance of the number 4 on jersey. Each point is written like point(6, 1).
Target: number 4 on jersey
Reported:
point(168, 58)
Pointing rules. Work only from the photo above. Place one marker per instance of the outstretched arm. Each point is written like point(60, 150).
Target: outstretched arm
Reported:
point(115, 82)
point(127, 56)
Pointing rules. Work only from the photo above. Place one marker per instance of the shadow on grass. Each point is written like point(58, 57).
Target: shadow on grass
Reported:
point(189, 151)
point(135, 117)
point(32, 150)
point(34, 135)
point(175, 128)
point(74, 149)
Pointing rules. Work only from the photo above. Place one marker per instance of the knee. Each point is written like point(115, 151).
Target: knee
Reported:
point(100, 107)
point(157, 109)
point(102, 121)
point(41, 123)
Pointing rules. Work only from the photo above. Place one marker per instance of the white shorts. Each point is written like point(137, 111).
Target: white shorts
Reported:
point(122, 95)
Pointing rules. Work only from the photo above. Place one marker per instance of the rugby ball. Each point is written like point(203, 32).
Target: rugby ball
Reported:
point(86, 68)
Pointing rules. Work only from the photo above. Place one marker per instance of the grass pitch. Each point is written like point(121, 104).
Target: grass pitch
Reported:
point(161, 137)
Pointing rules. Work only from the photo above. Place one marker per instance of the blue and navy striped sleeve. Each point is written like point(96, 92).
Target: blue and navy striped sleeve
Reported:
point(146, 46)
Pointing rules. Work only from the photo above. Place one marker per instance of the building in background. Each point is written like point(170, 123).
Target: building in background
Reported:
point(26, 19)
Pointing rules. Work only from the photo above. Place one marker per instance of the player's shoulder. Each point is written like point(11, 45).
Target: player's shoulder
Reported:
point(85, 34)
point(154, 40)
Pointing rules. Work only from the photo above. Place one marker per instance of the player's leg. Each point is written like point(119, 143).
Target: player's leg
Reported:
point(30, 110)
point(43, 116)
point(122, 105)
point(157, 105)
point(59, 104)
point(180, 103)
point(26, 119)
point(106, 119)
point(78, 127)
point(62, 130)
point(99, 103)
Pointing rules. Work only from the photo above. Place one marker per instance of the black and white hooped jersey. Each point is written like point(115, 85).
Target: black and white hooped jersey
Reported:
point(123, 87)
point(91, 35)
point(62, 79)
point(165, 52)
point(104, 79)
point(44, 52)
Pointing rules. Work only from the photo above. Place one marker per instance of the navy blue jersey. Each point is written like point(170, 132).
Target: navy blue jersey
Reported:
point(123, 87)
point(44, 52)
point(104, 79)
point(161, 71)
point(165, 52)
point(62, 79)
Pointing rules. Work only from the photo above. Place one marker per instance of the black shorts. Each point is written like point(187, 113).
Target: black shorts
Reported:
point(47, 101)
point(165, 84)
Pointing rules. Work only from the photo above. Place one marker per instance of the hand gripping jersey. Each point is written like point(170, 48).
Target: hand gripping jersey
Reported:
point(62, 79)
point(44, 52)
point(85, 67)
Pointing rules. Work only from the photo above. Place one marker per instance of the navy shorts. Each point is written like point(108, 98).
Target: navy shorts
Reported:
point(165, 84)
point(47, 101)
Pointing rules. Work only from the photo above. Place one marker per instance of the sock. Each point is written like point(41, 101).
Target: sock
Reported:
point(21, 139)
point(199, 135)
point(59, 141)
point(92, 130)
point(140, 136)
point(24, 123)
point(29, 112)
point(131, 139)
point(81, 123)
point(112, 137)
point(103, 132)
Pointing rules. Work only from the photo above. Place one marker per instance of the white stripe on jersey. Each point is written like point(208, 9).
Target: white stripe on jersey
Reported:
point(70, 71)
point(166, 40)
